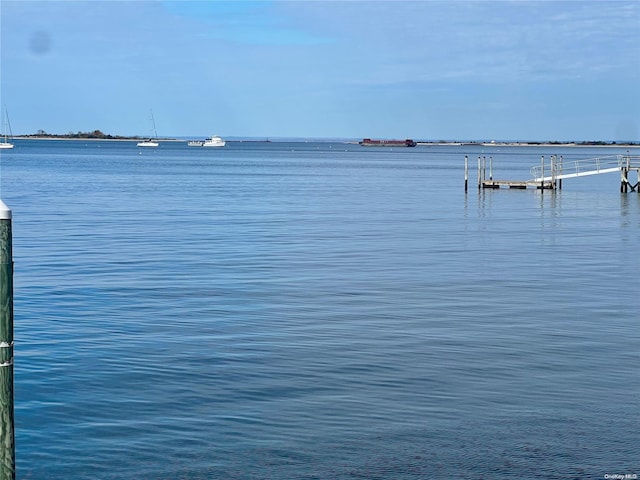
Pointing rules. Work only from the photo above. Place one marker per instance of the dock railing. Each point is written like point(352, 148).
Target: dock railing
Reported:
point(560, 169)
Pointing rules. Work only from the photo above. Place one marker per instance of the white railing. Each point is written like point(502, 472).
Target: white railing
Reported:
point(558, 169)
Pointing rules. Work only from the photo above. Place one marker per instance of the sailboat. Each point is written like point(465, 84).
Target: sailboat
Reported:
point(152, 142)
point(5, 124)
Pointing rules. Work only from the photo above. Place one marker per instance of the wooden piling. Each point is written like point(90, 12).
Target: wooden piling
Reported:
point(560, 171)
point(479, 175)
point(484, 169)
point(627, 183)
point(542, 176)
point(466, 173)
point(7, 434)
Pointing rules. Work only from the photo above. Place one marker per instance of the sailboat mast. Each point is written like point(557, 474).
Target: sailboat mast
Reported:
point(5, 119)
point(153, 122)
point(6, 113)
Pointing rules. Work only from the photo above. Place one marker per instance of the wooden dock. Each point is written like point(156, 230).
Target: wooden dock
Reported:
point(549, 176)
point(516, 184)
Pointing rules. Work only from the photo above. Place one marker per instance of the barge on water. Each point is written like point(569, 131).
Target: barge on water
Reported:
point(368, 142)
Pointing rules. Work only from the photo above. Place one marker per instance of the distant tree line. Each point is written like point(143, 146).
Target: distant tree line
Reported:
point(588, 142)
point(549, 142)
point(96, 134)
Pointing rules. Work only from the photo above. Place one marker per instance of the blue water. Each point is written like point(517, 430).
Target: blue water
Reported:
point(320, 311)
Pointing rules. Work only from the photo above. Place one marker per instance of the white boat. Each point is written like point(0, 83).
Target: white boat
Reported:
point(148, 143)
point(6, 144)
point(152, 142)
point(195, 143)
point(214, 141)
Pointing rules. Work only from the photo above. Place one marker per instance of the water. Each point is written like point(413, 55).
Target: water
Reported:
point(319, 311)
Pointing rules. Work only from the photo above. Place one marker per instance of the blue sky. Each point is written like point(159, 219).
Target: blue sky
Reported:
point(455, 70)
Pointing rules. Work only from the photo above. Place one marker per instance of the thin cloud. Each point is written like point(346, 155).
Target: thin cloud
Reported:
point(244, 22)
point(390, 42)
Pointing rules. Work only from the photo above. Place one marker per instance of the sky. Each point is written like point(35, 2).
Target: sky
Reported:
point(428, 70)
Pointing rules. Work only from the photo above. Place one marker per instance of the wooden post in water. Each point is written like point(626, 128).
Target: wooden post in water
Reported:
point(624, 175)
point(490, 168)
point(560, 170)
point(628, 184)
point(479, 175)
point(626, 179)
point(466, 172)
point(484, 169)
point(7, 435)
point(542, 176)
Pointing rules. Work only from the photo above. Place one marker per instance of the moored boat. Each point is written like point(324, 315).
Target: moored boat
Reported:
point(6, 144)
point(151, 142)
point(214, 141)
point(148, 143)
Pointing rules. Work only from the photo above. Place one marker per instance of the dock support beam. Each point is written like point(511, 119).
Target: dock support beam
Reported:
point(624, 179)
point(7, 435)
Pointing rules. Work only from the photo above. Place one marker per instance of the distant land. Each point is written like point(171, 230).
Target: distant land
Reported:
point(551, 143)
point(99, 135)
point(94, 135)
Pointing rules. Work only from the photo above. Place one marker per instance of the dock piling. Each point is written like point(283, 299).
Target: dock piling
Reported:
point(7, 434)
point(560, 170)
point(466, 173)
point(624, 180)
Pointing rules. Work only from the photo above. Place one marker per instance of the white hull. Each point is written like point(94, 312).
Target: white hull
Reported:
point(148, 144)
point(214, 141)
point(6, 145)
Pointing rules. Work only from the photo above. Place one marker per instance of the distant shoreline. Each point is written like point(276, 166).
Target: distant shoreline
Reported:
point(533, 144)
point(87, 139)
point(419, 143)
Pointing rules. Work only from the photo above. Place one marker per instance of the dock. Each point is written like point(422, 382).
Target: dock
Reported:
point(549, 175)
point(517, 184)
